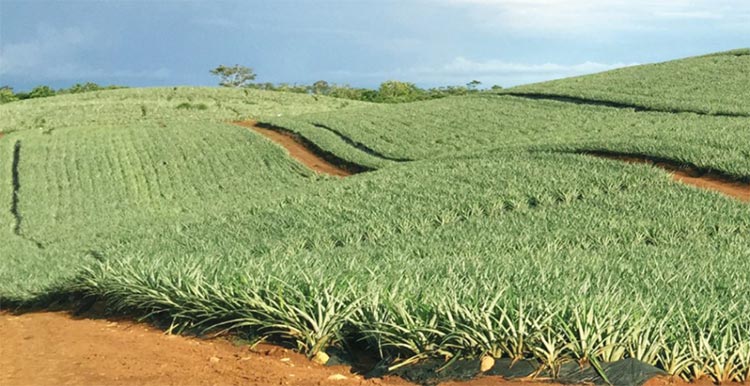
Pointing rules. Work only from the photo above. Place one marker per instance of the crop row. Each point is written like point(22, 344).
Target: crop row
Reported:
point(112, 108)
point(467, 257)
point(459, 127)
point(711, 84)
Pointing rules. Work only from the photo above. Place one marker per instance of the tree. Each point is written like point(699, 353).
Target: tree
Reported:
point(79, 88)
point(6, 95)
point(473, 85)
point(396, 91)
point(235, 76)
point(321, 87)
point(41, 92)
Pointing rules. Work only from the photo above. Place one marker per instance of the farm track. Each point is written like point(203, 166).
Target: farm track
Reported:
point(309, 155)
point(686, 174)
point(304, 151)
point(619, 105)
point(58, 348)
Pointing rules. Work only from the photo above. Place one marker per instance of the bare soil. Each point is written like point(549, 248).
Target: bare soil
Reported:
point(56, 348)
point(710, 181)
point(297, 150)
point(53, 348)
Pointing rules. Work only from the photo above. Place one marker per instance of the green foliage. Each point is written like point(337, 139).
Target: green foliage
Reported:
point(115, 107)
point(395, 91)
point(321, 87)
point(41, 92)
point(190, 106)
point(6, 95)
point(494, 240)
point(86, 87)
point(473, 84)
point(485, 123)
point(712, 84)
point(389, 92)
point(234, 76)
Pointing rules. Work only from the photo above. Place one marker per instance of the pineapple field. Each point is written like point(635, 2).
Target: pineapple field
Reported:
point(488, 230)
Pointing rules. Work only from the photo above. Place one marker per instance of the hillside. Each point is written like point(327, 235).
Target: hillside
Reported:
point(132, 105)
point(715, 84)
point(479, 124)
point(483, 225)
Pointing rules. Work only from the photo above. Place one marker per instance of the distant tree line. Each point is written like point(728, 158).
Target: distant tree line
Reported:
point(8, 95)
point(391, 91)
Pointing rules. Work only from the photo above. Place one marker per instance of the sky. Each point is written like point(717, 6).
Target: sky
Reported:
point(357, 42)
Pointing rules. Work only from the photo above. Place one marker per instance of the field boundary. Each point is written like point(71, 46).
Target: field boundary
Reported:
point(613, 104)
point(687, 173)
point(16, 184)
point(15, 199)
point(305, 152)
point(360, 145)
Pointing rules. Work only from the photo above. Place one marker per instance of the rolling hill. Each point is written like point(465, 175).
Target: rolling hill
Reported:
point(483, 226)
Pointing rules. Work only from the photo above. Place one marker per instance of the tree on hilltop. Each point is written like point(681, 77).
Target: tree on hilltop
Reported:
point(7, 95)
point(321, 87)
point(473, 85)
point(235, 76)
point(397, 91)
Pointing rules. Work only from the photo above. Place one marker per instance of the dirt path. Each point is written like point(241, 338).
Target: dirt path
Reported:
point(54, 348)
point(709, 181)
point(738, 190)
point(297, 150)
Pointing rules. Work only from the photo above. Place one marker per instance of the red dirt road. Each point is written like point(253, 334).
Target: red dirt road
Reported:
point(53, 348)
point(308, 158)
point(297, 150)
point(738, 190)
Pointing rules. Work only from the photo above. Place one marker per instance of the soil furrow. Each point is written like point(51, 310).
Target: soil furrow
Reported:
point(359, 145)
point(689, 174)
point(619, 105)
point(304, 151)
point(56, 348)
point(16, 183)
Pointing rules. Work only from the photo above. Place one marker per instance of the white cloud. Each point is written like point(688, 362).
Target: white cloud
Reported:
point(463, 66)
point(585, 16)
point(461, 70)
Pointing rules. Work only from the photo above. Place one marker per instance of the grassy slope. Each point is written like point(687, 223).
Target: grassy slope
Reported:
point(711, 84)
point(472, 124)
point(98, 169)
point(125, 106)
point(205, 222)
